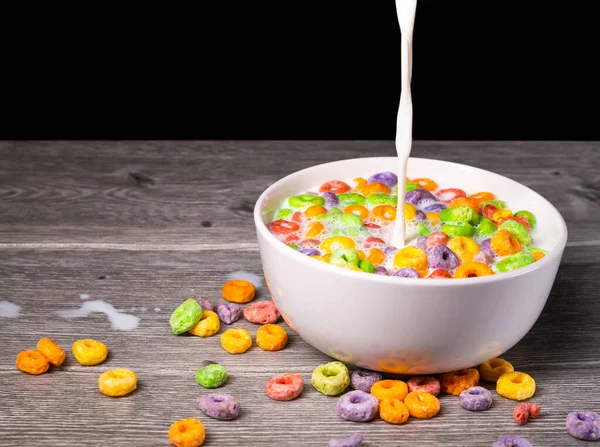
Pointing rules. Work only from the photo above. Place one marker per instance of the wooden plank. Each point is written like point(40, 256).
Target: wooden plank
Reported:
point(64, 407)
point(195, 193)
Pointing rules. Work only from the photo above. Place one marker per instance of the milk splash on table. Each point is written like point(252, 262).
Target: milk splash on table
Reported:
point(406, 18)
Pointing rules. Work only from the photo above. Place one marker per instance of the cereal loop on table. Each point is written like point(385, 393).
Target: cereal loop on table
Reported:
point(49, 349)
point(525, 410)
point(285, 387)
point(236, 341)
point(262, 312)
point(117, 382)
point(221, 406)
point(464, 247)
point(389, 389)
point(238, 291)
point(335, 186)
point(271, 337)
point(188, 432)
point(208, 325)
point(422, 405)
point(357, 406)
point(494, 368)
point(476, 398)
point(458, 381)
point(425, 384)
point(333, 243)
point(511, 441)
point(515, 385)
point(331, 378)
point(426, 183)
point(583, 424)
point(472, 270)
point(411, 257)
point(185, 316)
point(32, 362)
point(352, 440)
point(393, 411)
point(212, 375)
point(90, 352)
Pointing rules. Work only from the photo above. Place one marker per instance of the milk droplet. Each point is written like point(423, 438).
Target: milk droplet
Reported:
point(157, 309)
point(246, 276)
point(84, 296)
point(9, 310)
point(119, 320)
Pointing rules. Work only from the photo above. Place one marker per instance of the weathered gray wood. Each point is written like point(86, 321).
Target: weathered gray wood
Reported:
point(132, 213)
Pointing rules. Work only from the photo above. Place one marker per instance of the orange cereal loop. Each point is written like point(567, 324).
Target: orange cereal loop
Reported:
point(537, 255)
point(361, 254)
point(315, 210)
point(494, 368)
point(385, 212)
point(464, 247)
point(32, 362)
point(410, 212)
point(359, 210)
point(433, 217)
point(393, 411)
point(479, 197)
point(503, 243)
point(360, 183)
point(463, 201)
point(458, 381)
point(238, 291)
point(472, 269)
point(422, 405)
point(389, 389)
point(375, 187)
point(315, 229)
point(271, 337)
point(426, 183)
point(376, 256)
point(188, 432)
point(49, 349)
point(411, 257)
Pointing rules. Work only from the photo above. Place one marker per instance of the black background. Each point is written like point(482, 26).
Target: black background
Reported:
point(481, 70)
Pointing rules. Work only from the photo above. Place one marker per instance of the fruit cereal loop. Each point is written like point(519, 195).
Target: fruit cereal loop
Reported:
point(188, 432)
point(335, 186)
point(464, 247)
point(185, 316)
point(236, 341)
point(515, 385)
point(238, 291)
point(503, 243)
point(511, 441)
point(219, 406)
point(229, 313)
point(422, 405)
point(357, 406)
point(583, 424)
point(475, 398)
point(32, 362)
point(362, 379)
point(117, 382)
point(457, 381)
point(524, 411)
point(285, 386)
point(411, 257)
point(331, 378)
point(393, 411)
point(262, 312)
point(271, 337)
point(494, 368)
point(472, 269)
point(89, 352)
point(425, 384)
point(437, 238)
point(389, 389)
point(211, 375)
point(208, 325)
point(49, 349)
point(354, 440)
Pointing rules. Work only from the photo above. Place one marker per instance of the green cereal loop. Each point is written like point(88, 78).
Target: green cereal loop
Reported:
point(460, 214)
point(379, 198)
point(411, 185)
point(351, 220)
point(344, 256)
point(294, 246)
point(351, 198)
point(458, 229)
point(353, 231)
point(537, 250)
point(500, 204)
point(332, 216)
point(485, 227)
point(516, 261)
point(211, 376)
point(527, 215)
point(185, 316)
point(303, 200)
point(331, 378)
point(518, 230)
point(366, 266)
point(283, 214)
point(423, 230)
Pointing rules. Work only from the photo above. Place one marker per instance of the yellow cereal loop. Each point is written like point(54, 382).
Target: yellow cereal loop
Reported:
point(271, 337)
point(331, 244)
point(117, 382)
point(89, 352)
point(208, 325)
point(433, 217)
point(464, 247)
point(537, 255)
point(494, 368)
point(376, 257)
point(236, 341)
point(315, 210)
point(411, 257)
point(314, 229)
point(410, 212)
point(515, 385)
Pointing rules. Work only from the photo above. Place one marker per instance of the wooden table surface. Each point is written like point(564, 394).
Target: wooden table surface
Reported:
point(145, 225)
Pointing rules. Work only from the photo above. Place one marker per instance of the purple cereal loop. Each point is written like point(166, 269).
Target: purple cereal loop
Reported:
point(583, 424)
point(309, 251)
point(486, 248)
point(416, 195)
point(381, 270)
point(406, 272)
point(229, 313)
point(389, 250)
point(363, 380)
point(441, 257)
point(420, 217)
point(219, 406)
point(205, 304)
point(357, 406)
point(331, 199)
point(354, 440)
point(434, 208)
point(475, 398)
point(511, 441)
point(421, 243)
point(387, 178)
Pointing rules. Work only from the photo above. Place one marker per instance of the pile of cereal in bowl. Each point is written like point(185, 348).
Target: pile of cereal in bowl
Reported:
point(450, 233)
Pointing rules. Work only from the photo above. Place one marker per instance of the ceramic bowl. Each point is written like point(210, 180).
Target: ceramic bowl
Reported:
point(403, 325)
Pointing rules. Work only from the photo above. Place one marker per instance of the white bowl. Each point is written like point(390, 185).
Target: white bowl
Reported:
point(405, 325)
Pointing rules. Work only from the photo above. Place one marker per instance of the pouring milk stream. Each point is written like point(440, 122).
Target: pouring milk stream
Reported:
point(406, 18)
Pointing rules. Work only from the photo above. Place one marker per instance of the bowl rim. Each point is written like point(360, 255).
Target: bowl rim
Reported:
point(262, 229)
